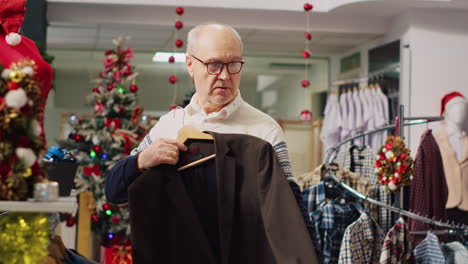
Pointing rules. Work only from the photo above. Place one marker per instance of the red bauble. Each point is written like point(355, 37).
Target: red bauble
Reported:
point(173, 79)
point(127, 72)
point(121, 109)
point(178, 24)
point(308, 7)
point(306, 54)
point(179, 43)
point(171, 59)
point(306, 116)
point(78, 138)
point(106, 207)
point(102, 74)
point(305, 83)
point(133, 88)
point(95, 218)
point(70, 222)
point(403, 156)
point(115, 219)
point(109, 52)
point(95, 90)
point(180, 10)
point(110, 87)
point(97, 148)
point(307, 35)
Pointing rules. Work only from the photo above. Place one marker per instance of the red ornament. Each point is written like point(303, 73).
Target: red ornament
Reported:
point(110, 87)
point(171, 59)
point(102, 74)
point(307, 35)
point(95, 218)
point(173, 79)
point(121, 109)
point(172, 107)
point(127, 72)
point(308, 7)
point(13, 85)
point(78, 138)
point(71, 222)
point(377, 164)
point(179, 43)
point(306, 116)
point(403, 156)
point(306, 54)
point(106, 207)
point(382, 156)
point(133, 88)
point(95, 90)
point(109, 52)
point(178, 24)
point(180, 10)
point(389, 146)
point(305, 83)
point(97, 148)
point(115, 219)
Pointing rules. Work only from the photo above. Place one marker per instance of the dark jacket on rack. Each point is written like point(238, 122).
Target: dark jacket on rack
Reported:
point(258, 219)
point(428, 191)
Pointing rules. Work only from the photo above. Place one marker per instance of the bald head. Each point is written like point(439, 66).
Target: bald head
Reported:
point(205, 32)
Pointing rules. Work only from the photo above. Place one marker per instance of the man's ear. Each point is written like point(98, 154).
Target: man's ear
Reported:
point(189, 63)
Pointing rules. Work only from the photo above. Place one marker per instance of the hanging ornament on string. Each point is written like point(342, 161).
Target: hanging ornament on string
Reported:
point(306, 115)
point(178, 43)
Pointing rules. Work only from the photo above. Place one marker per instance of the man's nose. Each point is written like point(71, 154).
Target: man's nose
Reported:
point(224, 74)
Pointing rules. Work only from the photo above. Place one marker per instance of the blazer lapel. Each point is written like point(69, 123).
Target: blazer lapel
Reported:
point(226, 175)
point(179, 198)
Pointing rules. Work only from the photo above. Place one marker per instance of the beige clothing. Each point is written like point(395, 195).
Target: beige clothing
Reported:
point(456, 172)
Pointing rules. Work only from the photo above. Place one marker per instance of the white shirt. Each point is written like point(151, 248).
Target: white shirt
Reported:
point(331, 127)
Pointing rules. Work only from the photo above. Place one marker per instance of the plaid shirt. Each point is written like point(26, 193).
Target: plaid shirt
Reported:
point(362, 242)
point(455, 252)
point(330, 220)
point(397, 246)
point(361, 161)
point(428, 251)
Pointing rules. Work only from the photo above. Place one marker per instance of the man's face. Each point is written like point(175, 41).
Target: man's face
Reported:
point(215, 45)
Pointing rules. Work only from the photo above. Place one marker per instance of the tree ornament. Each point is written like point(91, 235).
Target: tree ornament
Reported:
point(308, 7)
point(133, 88)
point(180, 11)
point(13, 39)
point(308, 36)
point(16, 76)
point(115, 219)
point(95, 218)
point(95, 90)
point(110, 87)
point(179, 43)
point(102, 74)
point(173, 79)
point(13, 85)
point(305, 83)
point(171, 59)
point(97, 148)
point(121, 109)
point(106, 206)
point(26, 155)
point(178, 24)
point(70, 222)
point(78, 138)
point(16, 98)
point(306, 54)
point(306, 116)
point(109, 52)
point(99, 108)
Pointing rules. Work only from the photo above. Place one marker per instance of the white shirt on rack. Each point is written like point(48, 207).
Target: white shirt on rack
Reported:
point(359, 121)
point(344, 117)
point(331, 127)
point(351, 115)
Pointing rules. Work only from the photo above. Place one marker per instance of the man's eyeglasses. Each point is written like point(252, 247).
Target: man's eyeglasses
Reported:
point(216, 68)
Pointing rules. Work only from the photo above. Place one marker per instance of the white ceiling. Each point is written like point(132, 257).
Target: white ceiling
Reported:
point(83, 25)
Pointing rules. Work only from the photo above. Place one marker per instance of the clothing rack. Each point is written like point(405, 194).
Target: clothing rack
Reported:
point(365, 78)
point(399, 126)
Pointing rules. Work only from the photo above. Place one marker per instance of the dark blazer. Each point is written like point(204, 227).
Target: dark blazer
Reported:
point(259, 220)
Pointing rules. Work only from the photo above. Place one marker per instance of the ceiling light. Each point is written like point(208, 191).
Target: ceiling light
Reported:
point(164, 56)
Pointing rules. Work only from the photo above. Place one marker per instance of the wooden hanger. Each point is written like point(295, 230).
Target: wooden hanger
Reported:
point(190, 132)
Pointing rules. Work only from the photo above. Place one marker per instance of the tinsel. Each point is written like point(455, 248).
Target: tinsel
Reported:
point(23, 238)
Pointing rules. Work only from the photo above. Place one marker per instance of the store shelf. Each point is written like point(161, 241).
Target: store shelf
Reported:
point(62, 205)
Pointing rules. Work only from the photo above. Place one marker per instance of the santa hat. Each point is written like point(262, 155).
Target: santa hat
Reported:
point(11, 18)
point(449, 99)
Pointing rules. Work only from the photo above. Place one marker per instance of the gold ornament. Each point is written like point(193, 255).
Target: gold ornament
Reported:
point(27, 173)
point(16, 76)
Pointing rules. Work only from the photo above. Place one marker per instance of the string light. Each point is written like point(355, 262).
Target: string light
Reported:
point(92, 154)
point(108, 212)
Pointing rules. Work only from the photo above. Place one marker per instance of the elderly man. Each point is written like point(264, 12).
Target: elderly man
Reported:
point(214, 61)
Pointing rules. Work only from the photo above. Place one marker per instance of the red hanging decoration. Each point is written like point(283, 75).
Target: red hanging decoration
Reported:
point(306, 54)
point(180, 11)
point(308, 36)
point(110, 87)
point(308, 7)
point(133, 88)
point(173, 79)
point(306, 116)
point(305, 83)
point(70, 222)
point(171, 59)
point(179, 43)
point(178, 24)
point(95, 90)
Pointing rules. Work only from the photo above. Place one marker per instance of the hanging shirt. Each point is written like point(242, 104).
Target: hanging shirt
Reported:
point(369, 115)
point(397, 247)
point(344, 117)
point(362, 242)
point(331, 126)
point(330, 220)
point(359, 120)
point(428, 251)
point(351, 114)
point(379, 119)
point(455, 253)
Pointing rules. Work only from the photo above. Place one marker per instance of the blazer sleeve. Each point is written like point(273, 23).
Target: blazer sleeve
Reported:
point(119, 178)
point(283, 222)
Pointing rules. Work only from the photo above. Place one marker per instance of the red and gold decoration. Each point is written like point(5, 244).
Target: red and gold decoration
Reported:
point(23, 238)
point(21, 140)
point(394, 166)
point(306, 115)
point(110, 135)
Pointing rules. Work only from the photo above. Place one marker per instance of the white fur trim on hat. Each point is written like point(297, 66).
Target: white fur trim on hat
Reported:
point(13, 39)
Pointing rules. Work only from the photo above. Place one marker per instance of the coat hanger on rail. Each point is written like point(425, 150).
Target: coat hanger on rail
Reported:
point(190, 132)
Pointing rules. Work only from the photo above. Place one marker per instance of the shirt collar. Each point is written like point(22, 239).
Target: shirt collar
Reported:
point(224, 113)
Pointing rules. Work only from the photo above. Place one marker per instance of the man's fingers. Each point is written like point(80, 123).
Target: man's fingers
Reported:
point(176, 143)
point(169, 160)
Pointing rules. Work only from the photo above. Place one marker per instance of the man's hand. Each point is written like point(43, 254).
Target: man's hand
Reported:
point(161, 151)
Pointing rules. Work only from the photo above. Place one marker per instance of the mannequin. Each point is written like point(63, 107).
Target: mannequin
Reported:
point(452, 139)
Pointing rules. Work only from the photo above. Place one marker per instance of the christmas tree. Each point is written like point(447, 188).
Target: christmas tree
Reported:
point(100, 142)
